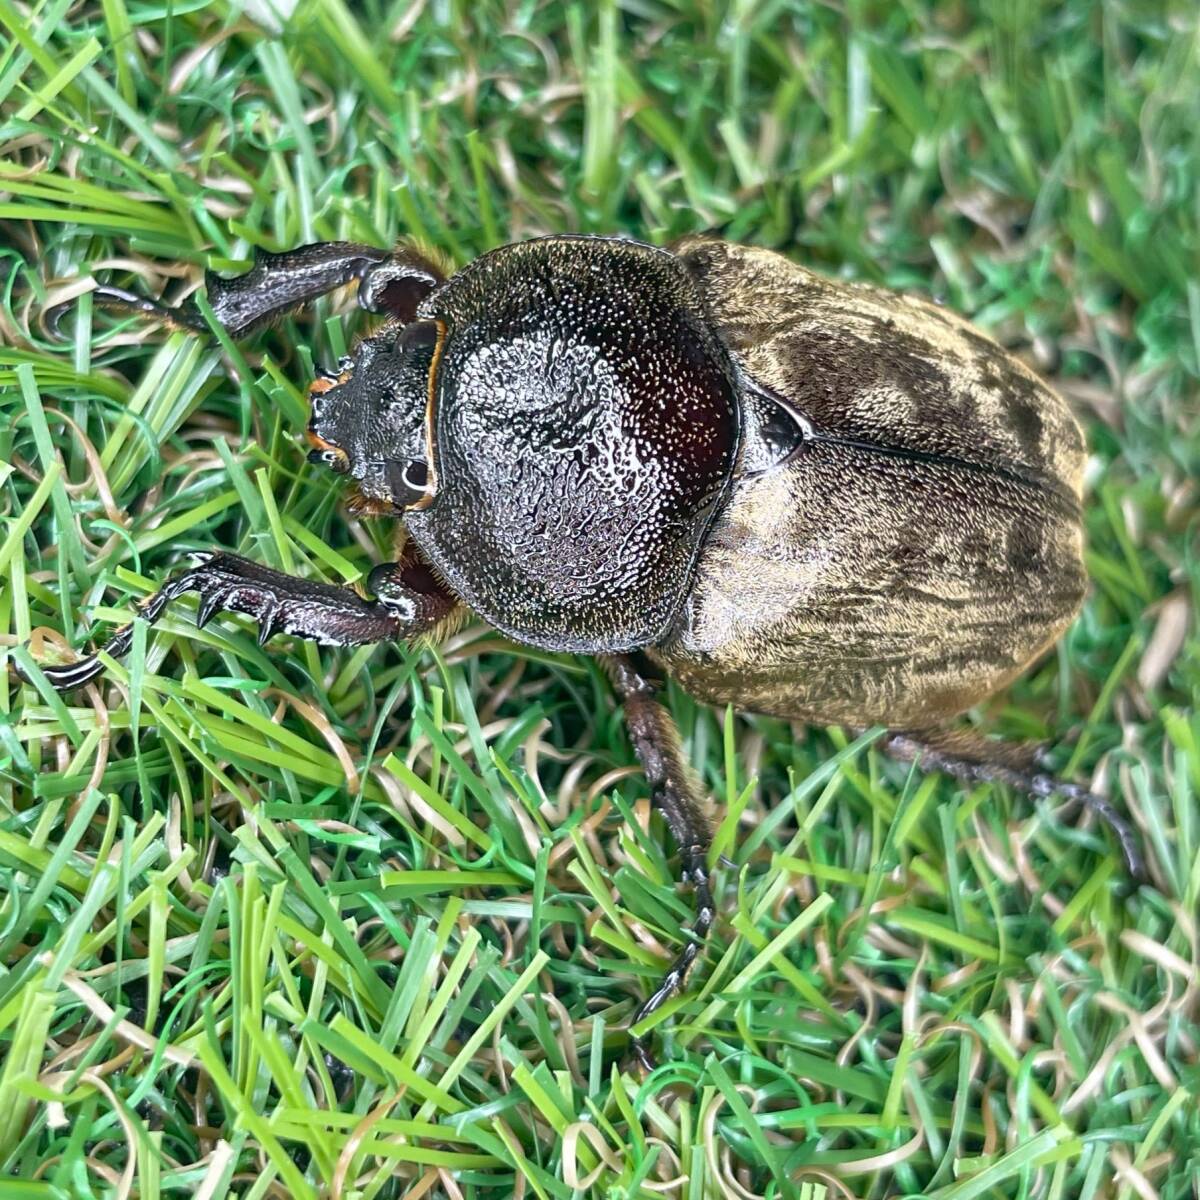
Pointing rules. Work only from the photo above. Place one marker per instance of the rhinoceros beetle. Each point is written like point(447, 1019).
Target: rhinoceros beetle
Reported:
point(820, 500)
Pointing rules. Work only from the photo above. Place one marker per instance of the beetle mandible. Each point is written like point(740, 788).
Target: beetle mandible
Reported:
point(820, 500)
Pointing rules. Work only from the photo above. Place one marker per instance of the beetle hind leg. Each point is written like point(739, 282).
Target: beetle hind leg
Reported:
point(656, 742)
point(695, 872)
point(974, 759)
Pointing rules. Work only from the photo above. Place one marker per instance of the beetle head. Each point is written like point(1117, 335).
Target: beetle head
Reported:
point(584, 427)
point(369, 420)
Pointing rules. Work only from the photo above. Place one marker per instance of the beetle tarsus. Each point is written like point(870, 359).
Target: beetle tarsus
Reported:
point(1104, 809)
point(185, 317)
point(70, 676)
point(694, 872)
point(656, 742)
point(321, 612)
point(977, 760)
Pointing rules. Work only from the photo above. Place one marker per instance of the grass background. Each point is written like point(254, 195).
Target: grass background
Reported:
point(290, 923)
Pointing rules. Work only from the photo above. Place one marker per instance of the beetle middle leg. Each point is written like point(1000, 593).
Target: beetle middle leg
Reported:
point(656, 743)
point(969, 757)
point(407, 602)
point(391, 283)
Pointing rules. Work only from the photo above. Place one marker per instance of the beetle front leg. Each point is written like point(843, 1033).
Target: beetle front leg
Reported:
point(656, 743)
point(407, 602)
point(391, 283)
point(967, 756)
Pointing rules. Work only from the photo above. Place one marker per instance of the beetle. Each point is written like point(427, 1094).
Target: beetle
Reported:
point(821, 500)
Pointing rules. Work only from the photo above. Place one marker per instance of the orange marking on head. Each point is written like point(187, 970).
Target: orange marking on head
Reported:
point(322, 384)
point(319, 443)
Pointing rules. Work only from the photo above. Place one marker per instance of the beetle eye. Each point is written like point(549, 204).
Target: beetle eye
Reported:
point(419, 335)
point(408, 482)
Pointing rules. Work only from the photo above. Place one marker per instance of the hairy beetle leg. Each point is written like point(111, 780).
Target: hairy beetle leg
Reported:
point(656, 743)
point(978, 761)
point(408, 602)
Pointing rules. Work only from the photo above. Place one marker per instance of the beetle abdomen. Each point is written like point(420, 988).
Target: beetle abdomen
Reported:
point(917, 554)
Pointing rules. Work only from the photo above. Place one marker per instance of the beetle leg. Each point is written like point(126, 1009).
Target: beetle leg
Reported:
point(396, 286)
point(391, 282)
point(656, 743)
point(976, 760)
point(408, 602)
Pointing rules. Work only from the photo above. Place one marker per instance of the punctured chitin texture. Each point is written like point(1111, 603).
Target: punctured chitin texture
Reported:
point(585, 429)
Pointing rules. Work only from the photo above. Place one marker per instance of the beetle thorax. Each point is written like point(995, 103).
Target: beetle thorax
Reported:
point(585, 423)
point(561, 454)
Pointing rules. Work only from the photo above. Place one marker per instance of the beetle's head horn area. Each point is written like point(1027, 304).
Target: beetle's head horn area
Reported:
point(369, 419)
point(585, 430)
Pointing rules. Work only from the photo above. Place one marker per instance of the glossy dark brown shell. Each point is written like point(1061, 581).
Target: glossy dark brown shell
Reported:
point(585, 431)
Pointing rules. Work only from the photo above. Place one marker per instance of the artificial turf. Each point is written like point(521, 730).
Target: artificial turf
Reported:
point(293, 923)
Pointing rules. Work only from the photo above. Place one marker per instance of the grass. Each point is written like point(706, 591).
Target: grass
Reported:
point(289, 923)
